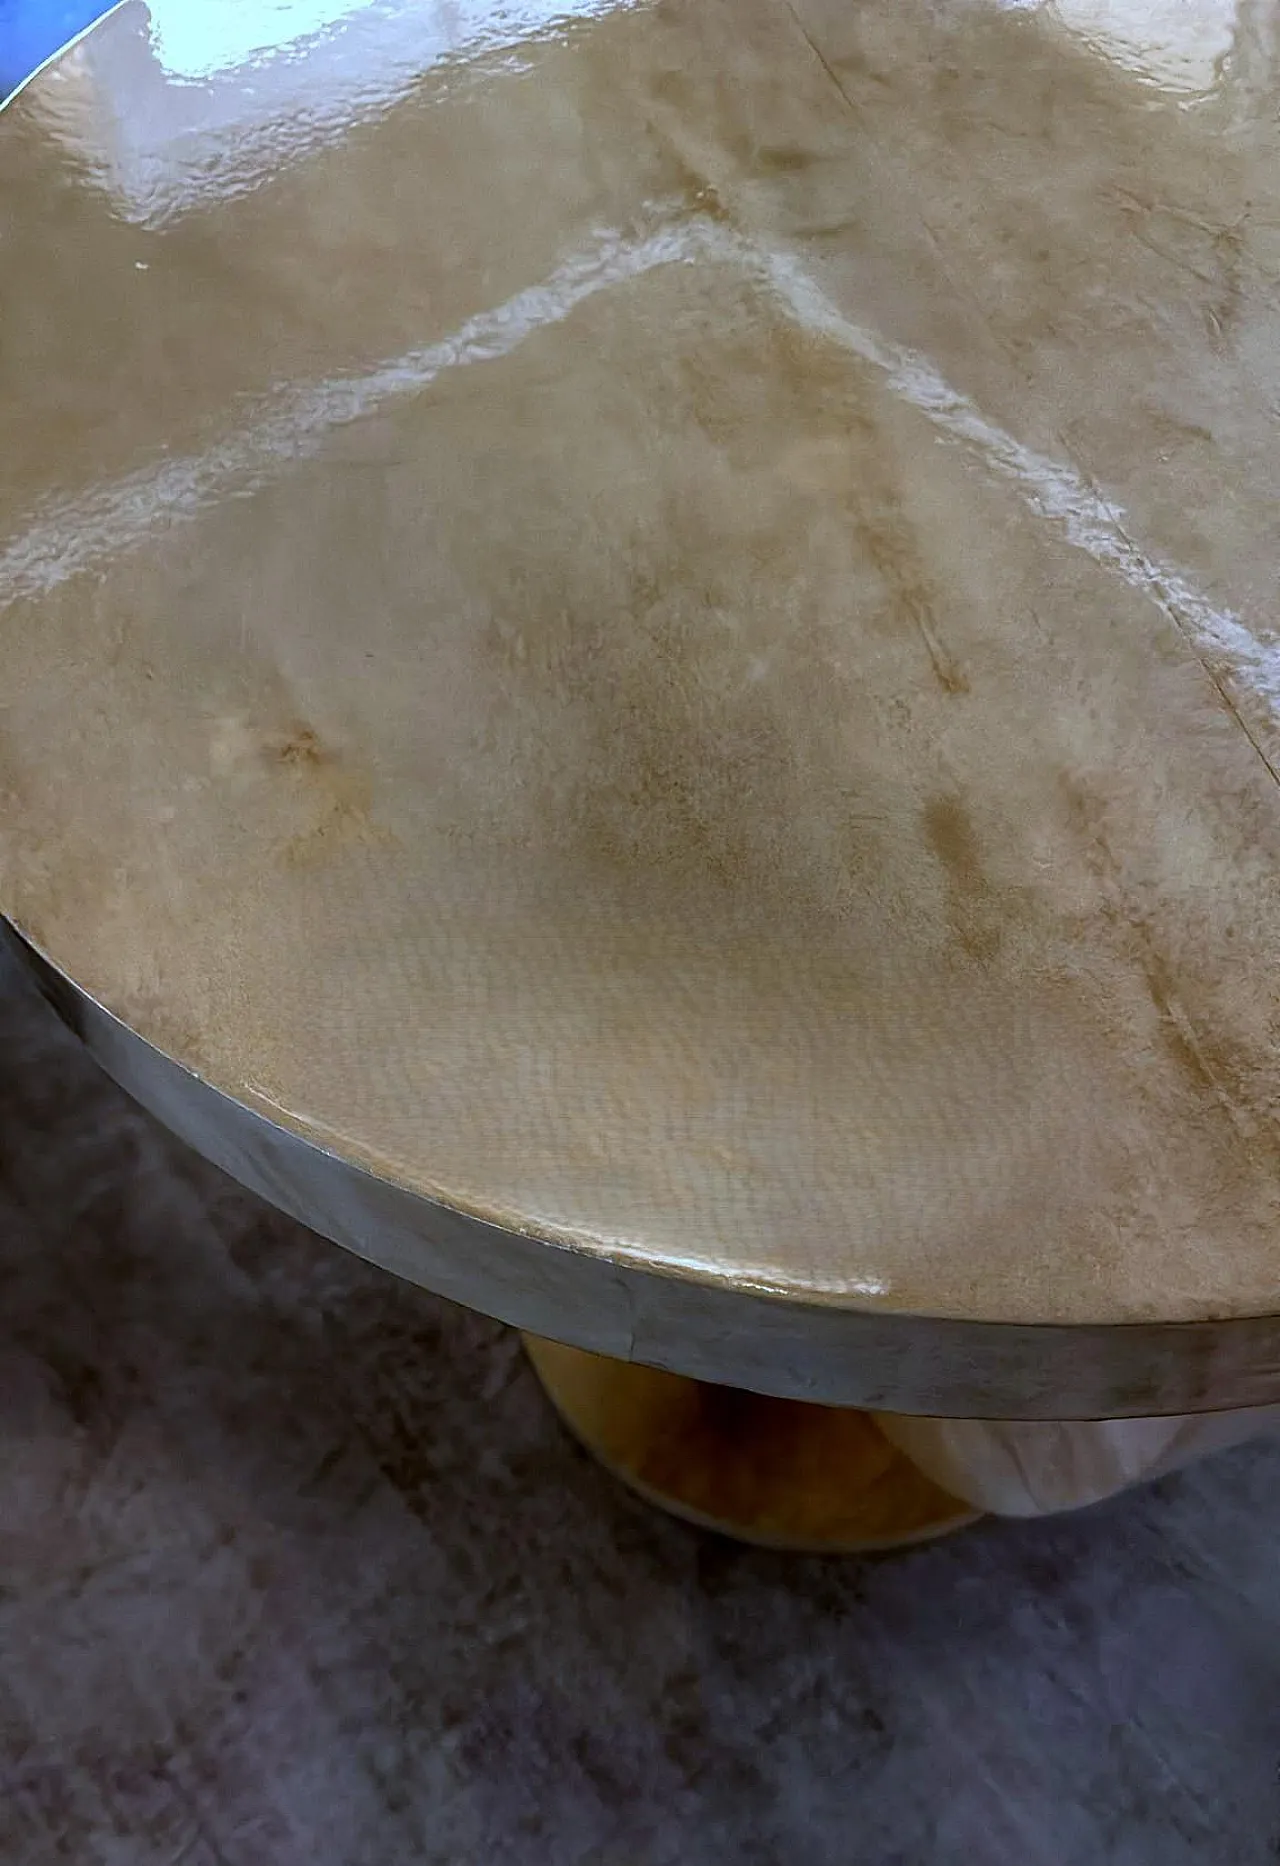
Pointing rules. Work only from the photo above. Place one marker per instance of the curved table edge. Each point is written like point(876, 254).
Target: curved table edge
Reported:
point(105, 11)
point(732, 1336)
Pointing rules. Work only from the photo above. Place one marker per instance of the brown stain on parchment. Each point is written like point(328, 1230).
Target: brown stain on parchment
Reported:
point(339, 795)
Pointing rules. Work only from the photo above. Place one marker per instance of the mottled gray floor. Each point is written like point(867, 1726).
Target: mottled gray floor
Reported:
point(296, 1570)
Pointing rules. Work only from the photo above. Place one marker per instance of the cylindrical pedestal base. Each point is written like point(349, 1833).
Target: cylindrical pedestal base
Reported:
point(772, 1471)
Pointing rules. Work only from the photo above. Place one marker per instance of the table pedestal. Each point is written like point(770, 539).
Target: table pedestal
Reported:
point(783, 1473)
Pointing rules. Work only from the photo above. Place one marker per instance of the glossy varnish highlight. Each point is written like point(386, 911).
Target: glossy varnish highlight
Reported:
point(672, 641)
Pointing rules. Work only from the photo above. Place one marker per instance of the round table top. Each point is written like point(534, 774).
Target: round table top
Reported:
point(660, 626)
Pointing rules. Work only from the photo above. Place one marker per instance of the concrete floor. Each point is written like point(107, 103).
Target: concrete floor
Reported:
point(296, 1569)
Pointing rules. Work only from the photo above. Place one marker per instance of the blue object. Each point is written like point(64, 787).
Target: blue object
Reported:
point(31, 31)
